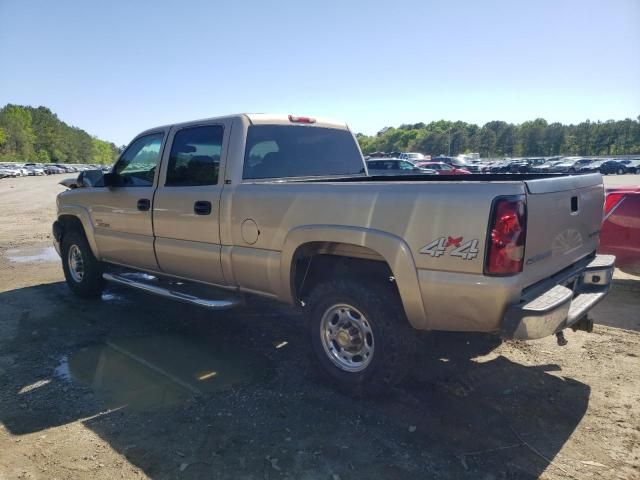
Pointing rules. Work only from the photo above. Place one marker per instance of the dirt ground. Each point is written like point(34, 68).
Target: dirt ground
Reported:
point(132, 386)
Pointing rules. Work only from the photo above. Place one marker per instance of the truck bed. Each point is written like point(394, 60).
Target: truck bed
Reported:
point(473, 177)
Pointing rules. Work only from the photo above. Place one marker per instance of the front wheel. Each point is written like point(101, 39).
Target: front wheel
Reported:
point(82, 270)
point(620, 171)
point(360, 336)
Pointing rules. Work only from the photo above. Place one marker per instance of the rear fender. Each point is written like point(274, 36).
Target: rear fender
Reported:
point(393, 249)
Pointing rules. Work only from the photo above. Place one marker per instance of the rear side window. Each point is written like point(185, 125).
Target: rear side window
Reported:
point(284, 151)
point(195, 156)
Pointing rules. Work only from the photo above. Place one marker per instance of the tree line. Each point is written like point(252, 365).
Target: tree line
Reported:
point(29, 134)
point(536, 138)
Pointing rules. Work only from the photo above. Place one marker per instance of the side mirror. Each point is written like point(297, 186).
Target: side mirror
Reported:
point(110, 179)
point(91, 178)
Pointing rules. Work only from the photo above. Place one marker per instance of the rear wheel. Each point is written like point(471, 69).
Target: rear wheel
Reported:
point(82, 271)
point(360, 336)
point(620, 171)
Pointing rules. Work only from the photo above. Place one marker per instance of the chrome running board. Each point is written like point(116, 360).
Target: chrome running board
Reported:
point(172, 294)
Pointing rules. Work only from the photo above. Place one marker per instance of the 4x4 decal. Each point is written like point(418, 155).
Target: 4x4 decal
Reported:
point(467, 250)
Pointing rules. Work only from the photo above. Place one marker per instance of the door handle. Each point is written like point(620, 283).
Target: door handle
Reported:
point(144, 204)
point(202, 207)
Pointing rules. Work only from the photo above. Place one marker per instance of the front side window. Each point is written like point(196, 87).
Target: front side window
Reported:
point(137, 165)
point(195, 156)
point(281, 151)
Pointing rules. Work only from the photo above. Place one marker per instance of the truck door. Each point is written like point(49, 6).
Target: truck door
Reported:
point(121, 213)
point(186, 203)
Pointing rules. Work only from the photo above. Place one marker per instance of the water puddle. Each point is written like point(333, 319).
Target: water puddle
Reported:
point(112, 297)
point(149, 373)
point(33, 255)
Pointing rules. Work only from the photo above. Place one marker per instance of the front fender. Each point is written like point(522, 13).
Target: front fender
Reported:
point(393, 249)
point(82, 214)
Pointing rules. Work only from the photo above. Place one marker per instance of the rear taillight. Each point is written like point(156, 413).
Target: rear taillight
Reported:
point(507, 233)
point(611, 202)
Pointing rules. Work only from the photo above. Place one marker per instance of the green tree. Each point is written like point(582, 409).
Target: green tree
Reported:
point(37, 134)
point(15, 121)
point(487, 142)
point(42, 156)
point(532, 138)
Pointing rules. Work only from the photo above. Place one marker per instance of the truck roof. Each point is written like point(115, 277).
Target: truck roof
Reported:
point(259, 119)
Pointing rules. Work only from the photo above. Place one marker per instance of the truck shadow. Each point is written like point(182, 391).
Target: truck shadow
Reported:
point(182, 393)
point(621, 307)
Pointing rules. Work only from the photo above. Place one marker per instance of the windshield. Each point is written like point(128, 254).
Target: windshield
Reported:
point(285, 151)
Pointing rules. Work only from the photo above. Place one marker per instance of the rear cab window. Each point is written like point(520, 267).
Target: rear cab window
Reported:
point(287, 151)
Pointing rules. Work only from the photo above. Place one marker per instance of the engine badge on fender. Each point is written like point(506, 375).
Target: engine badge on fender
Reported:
point(467, 250)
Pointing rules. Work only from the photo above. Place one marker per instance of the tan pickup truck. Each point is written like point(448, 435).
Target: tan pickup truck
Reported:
point(282, 206)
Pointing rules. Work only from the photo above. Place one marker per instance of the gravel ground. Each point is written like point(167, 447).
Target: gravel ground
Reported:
point(132, 386)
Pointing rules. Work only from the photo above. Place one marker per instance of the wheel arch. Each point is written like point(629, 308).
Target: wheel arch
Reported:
point(376, 251)
point(75, 217)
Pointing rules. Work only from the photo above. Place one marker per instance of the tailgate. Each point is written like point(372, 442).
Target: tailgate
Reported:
point(564, 215)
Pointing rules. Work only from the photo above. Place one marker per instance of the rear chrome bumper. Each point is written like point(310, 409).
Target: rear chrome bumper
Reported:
point(560, 307)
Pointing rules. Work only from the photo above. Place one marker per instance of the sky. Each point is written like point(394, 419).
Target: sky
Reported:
point(117, 67)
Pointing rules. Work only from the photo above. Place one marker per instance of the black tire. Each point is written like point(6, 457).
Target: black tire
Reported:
point(620, 171)
point(91, 284)
point(393, 338)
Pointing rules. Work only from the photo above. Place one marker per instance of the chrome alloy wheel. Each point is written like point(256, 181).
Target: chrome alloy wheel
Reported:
point(347, 338)
point(75, 263)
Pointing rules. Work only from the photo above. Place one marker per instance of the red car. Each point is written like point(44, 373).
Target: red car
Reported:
point(620, 234)
point(443, 168)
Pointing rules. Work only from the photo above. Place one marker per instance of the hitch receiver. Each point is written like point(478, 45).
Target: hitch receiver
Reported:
point(560, 339)
point(585, 324)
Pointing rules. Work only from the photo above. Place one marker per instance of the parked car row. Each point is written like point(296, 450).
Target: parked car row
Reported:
point(607, 167)
point(14, 170)
point(399, 166)
point(562, 165)
point(396, 166)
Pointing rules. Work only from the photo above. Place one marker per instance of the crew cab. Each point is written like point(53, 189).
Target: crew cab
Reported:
point(284, 207)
